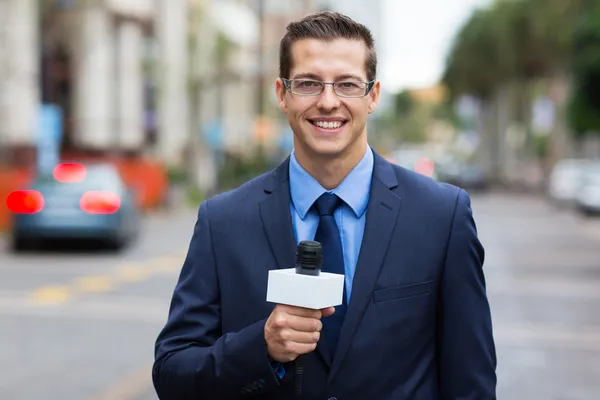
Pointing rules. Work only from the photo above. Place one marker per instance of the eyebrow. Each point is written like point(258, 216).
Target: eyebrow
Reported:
point(309, 75)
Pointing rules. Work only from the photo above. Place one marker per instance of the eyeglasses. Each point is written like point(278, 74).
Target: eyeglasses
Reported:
point(348, 88)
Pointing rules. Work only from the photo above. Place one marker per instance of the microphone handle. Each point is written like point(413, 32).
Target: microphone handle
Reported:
point(298, 374)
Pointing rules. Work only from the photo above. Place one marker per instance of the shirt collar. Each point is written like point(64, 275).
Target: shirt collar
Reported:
point(354, 190)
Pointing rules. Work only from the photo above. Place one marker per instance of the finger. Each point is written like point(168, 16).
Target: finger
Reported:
point(303, 312)
point(290, 335)
point(303, 324)
point(299, 348)
point(326, 312)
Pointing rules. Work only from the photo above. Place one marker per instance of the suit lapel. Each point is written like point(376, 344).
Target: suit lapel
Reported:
point(277, 222)
point(276, 217)
point(381, 217)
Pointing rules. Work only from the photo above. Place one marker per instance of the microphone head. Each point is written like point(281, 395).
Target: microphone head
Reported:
point(309, 257)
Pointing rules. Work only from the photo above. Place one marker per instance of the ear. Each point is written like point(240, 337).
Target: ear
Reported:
point(374, 97)
point(281, 91)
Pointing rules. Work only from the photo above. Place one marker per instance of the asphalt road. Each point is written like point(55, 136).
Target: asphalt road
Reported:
point(81, 325)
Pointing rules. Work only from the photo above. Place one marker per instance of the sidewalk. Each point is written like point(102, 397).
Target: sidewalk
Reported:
point(151, 395)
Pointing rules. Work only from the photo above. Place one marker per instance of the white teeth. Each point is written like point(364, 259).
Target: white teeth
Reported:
point(328, 125)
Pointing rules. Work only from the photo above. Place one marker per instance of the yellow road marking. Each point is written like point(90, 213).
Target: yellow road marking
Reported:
point(131, 273)
point(51, 295)
point(94, 284)
point(166, 264)
point(124, 273)
point(130, 387)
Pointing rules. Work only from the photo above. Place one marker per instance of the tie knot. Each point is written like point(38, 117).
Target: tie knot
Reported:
point(327, 204)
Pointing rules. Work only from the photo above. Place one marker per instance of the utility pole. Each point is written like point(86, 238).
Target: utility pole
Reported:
point(261, 59)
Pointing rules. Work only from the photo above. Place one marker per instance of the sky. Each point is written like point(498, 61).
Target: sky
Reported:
point(416, 37)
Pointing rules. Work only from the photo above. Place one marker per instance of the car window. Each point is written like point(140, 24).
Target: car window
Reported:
point(98, 177)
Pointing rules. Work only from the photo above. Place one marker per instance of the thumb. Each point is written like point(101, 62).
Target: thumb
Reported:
point(326, 312)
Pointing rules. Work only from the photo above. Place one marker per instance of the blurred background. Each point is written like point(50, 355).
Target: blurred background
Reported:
point(118, 117)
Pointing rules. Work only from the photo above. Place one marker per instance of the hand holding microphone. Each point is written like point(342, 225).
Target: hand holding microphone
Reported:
point(292, 331)
point(303, 295)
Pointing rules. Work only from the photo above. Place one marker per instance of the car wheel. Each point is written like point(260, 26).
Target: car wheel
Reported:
point(20, 244)
point(116, 243)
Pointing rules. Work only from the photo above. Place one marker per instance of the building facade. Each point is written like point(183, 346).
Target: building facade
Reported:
point(101, 63)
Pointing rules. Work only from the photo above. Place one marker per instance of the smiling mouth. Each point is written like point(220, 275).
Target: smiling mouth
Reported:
point(328, 125)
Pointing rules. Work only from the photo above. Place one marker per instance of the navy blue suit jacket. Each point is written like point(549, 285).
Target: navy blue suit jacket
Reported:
point(418, 324)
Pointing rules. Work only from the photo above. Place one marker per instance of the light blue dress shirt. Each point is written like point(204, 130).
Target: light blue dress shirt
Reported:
point(350, 216)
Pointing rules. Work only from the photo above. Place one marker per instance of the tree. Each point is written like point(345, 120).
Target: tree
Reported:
point(403, 103)
point(512, 41)
point(584, 106)
point(474, 65)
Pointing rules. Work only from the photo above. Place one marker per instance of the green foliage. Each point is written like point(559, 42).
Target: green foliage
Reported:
point(473, 65)
point(238, 169)
point(584, 105)
point(194, 196)
point(540, 144)
point(445, 111)
point(403, 103)
point(177, 175)
point(512, 40)
point(519, 41)
point(407, 122)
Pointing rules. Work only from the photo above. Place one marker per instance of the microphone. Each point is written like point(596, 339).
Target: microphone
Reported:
point(309, 258)
point(305, 286)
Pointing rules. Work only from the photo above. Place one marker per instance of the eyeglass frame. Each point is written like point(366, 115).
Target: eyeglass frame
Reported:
point(287, 83)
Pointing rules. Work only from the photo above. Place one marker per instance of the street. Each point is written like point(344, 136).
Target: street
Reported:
point(81, 326)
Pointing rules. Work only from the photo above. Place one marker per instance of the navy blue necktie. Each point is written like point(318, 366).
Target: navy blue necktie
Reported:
point(328, 235)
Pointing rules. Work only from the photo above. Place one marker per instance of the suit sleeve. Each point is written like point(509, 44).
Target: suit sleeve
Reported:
point(193, 359)
point(467, 362)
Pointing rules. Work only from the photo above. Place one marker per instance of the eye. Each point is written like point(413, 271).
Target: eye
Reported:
point(349, 85)
point(309, 83)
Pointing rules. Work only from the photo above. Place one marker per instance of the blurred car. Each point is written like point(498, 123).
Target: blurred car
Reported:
point(416, 160)
point(76, 201)
point(587, 197)
point(465, 175)
point(564, 180)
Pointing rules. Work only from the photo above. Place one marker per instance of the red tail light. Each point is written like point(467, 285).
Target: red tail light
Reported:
point(425, 166)
point(69, 173)
point(100, 203)
point(25, 202)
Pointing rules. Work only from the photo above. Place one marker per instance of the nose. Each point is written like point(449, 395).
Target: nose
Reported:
point(328, 100)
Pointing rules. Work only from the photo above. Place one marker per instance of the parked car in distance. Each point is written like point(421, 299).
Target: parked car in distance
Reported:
point(565, 179)
point(466, 175)
point(587, 196)
point(87, 201)
point(415, 160)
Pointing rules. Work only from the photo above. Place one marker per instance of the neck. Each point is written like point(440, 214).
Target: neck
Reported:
point(331, 171)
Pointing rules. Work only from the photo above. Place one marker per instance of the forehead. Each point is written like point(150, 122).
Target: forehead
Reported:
point(329, 59)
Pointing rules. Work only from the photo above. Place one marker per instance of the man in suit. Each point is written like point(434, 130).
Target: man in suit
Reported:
point(415, 322)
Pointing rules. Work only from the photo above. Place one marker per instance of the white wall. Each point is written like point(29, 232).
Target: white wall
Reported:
point(173, 114)
point(130, 88)
point(94, 103)
point(19, 71)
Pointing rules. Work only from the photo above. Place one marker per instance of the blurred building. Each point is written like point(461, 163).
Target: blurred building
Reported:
point(92, 59)
point(19, 71)
point(178, 80)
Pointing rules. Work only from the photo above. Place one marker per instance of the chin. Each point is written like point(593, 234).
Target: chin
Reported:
point(328, 150)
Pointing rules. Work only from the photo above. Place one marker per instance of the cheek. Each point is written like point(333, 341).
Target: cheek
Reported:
point(359, 110)
point(299, 106)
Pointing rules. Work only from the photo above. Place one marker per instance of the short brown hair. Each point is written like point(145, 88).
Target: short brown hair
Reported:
point(326, 25)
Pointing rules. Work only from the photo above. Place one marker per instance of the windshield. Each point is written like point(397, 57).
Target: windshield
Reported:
point(98, 177)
